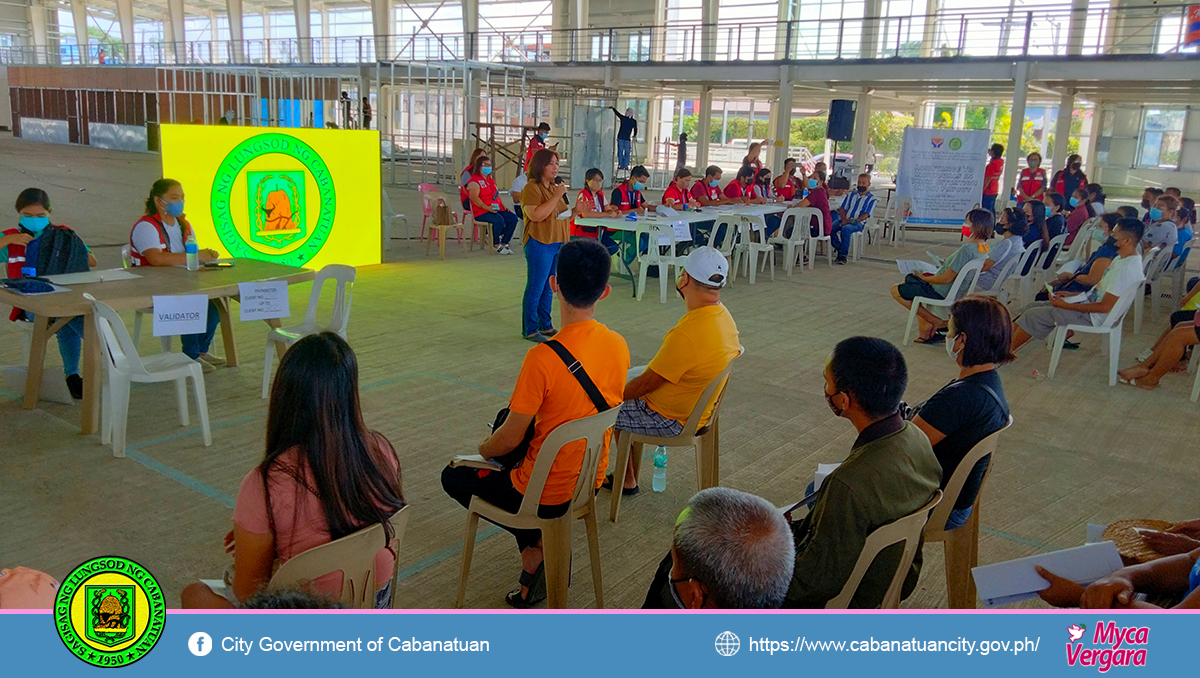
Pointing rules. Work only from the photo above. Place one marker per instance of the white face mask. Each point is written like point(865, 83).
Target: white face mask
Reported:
point(950, 341)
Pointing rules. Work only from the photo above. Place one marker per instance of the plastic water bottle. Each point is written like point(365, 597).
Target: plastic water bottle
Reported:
point(660, 469)
point(193, 253)
point(1038, 376)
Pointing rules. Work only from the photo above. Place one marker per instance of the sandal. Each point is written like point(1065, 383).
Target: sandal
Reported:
point(536, 583)
point(932, 340)
point(1071, 345)
point(625, 491)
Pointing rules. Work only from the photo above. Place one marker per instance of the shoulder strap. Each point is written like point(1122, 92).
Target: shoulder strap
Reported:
point(581, 375)
point(991, 392)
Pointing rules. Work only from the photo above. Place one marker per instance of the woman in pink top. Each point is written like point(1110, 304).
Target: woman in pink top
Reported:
point(818, 197)
point(325, 476)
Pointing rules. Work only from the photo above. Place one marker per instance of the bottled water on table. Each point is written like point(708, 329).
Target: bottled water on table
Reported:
point(193, 253)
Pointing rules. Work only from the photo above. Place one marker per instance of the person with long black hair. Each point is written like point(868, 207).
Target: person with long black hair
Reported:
point(325, 475)
point(1035, 214)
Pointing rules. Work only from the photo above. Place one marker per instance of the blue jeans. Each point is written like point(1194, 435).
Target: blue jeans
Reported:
point(503, 224)
point(624, 150)
point(540, 262)
point(840, 238)
point(988, 203)
point(70, 343)
point(195, 344)
point(958, 518)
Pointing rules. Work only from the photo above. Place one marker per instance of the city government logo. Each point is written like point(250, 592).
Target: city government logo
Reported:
point(110, 611)
point(288, 210)
point(728, 643)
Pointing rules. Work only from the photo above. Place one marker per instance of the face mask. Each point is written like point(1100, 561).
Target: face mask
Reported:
point(951, 339)
point(544, 135)
point(1076, 167)
point(812, 183)
point(1145, 204)
point(679, 285)
point(1000, 228)
point(1048, 211)
point(1110, 241)
point(175, 209)
point(486, 170)
point(1074, 202)
point(862, 189)
point(714, 183)
point(1033, 164)
point(637, 185)
point(837, 411)
point(1155, 213)
point(35, 225)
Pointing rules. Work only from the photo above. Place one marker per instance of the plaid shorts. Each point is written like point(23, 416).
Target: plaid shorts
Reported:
point(637, 417)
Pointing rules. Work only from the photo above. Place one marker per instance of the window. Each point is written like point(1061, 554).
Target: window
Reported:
point(1161, 137)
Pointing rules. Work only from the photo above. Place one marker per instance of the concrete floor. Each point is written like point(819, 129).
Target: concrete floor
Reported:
point(439, 348)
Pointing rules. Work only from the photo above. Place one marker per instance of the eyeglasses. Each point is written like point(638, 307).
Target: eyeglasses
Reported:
point(675, 592)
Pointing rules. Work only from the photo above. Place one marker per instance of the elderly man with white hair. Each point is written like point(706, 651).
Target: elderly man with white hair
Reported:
point(732, 550)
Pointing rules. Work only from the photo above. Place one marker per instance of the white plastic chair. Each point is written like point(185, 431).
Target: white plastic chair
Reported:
point(751, 243)
point(907, 530)
point(811, 241)
point(1024, 273)
point(1081, 245)
point(1176, 273)
point(127, 262)
point(1159, 275)
point(896, 218)
point(389, 215)
point(1193, 364)
point(286, 336)
point(1153, 263)
point(556, 532)
point(1046, 260)
point(728, 245)
point(123, 367)
point(793, 244)
point(997, 289)
point(969, 275)
point(660, 237)
point(1111, 326)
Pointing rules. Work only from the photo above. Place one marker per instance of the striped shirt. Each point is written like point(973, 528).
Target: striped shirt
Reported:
point(856, 204)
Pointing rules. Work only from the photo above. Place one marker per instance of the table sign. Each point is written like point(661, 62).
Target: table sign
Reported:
point(178, 315)
point(264, 300)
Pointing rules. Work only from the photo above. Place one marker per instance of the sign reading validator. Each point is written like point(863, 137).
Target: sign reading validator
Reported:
point(178, 315)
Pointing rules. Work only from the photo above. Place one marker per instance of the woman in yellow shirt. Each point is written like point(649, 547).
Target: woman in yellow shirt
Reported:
point(545, 232)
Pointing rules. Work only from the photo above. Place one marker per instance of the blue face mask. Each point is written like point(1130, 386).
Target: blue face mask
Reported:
point(486, 170)
point(1048, 211)
point(35, 225)
point(175, 209)
point(1074, 202)
point(812, 183)
point(713, 183)
point(1155, 213)
point(637, 185)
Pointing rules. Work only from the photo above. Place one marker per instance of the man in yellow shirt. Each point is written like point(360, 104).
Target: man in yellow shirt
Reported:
point(694, 352)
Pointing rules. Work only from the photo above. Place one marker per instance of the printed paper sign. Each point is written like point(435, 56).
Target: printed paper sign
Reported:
point(177, 315)
point(942, 171)
point(264, 300)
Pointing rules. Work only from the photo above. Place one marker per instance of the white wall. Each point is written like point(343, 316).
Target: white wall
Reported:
point(1120, 171)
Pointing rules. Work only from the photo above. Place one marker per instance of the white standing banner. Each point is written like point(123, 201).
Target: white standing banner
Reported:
point(942, 171)
point(264, 300)
point(178, 315)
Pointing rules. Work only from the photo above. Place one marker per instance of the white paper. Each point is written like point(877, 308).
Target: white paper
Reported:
point(683, 233)
point(1095, 533)
point(937, 261)
point(1071, 267)
point(264, 300)
point(823, 471)
point(666, 211)
point(178, 315)
point(86, 277)
point(475, 461)
point(565, 214)
point(1016, 580)
point(907, 266)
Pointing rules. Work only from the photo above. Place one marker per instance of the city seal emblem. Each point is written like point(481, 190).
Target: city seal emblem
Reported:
point(110, 611)
point(289, 196)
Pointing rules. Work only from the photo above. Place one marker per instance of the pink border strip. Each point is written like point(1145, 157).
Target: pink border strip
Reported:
point(1075, 612)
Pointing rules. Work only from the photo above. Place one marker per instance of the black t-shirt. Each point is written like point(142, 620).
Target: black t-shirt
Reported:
point(1056, 225)
point(628, 127)
point(966, 413)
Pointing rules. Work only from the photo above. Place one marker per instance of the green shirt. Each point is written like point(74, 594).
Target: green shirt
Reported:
point(885, 478)
point(961, 257)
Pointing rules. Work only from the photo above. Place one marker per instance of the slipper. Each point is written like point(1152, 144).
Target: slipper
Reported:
point(625, 491)
point(935, 339)
point(1071, 345)
point(536, 583)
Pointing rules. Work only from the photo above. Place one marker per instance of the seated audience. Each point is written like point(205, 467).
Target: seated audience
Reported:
point(818, 197)
point(1011, 226)
point(1035, 214)
point(852, 216)
point(1175, 577)
point(627, 196)
point(1096, 197)
point(547, 395)
point(891, 472)
point(676, 196)
point(1150, 195)
point(1173, 191)
point(972, 406)
point(484, 199)
point(1087, 275)
point(36, 238)
point(761, 191)
point(1162, 230)
point(731, 550)
point(937, 285)
point(465, 177)
point(1127, 211)
point(1081, 211)
point(1168, 352)
point(325, 476)
point(1056, 220)
point(1122, 277)
point(701, 345)
point(1186, 217)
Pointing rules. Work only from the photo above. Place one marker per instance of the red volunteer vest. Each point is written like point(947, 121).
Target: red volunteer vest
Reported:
point(163, 240)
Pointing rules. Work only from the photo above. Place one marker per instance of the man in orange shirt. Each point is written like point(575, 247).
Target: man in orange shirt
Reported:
point(991, 177)
point(548, 395)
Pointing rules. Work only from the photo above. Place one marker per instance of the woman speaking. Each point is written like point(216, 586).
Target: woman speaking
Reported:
point(544, 233)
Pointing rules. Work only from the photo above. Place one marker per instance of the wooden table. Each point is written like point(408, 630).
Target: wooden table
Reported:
point(218, 284)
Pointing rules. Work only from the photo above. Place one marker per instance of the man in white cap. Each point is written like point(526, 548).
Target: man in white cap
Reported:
point(694, 352)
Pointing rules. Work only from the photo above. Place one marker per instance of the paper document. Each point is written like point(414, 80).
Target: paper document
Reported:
point(823, 471)
point(907, 266)
point(666, 211)
point(475, 461)
point(1095, 533)
point(683, 233)
point(1016, 580)
point(264, 300)
point(182, 314)
point(565, 214)
point(937, 261)
point(86, 277)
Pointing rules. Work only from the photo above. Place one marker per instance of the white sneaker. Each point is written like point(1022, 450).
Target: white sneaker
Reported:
point(505, 249)
point(206, 368)
point(499, 249)
point(212, 360)
point(1145, 355)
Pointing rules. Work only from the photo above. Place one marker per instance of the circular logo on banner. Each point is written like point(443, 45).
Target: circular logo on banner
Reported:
point(955, 143)
point(273, 199)
point(110, 611)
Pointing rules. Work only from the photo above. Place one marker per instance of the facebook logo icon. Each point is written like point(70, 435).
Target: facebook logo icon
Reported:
point(200, 643)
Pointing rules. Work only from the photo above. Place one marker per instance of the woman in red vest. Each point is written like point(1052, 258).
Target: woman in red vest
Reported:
point(485, 203)
point(465, 176)
point(1031, 183)
point(158, 239)
point(33, 211)
point(590, 204)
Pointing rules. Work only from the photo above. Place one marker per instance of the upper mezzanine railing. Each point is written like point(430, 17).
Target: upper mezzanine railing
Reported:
point(1015, 33)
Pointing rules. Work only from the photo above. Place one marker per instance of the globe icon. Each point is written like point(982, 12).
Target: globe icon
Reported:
point(728, 643)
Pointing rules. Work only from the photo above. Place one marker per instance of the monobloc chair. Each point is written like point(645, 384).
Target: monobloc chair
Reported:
point(1046, 263)
point(389, 216)
point(482, 231)
point(556, 532)
point(660, 252)
point(434, 198)
point(908, 530)
point(797, 219)
point(1193, 364)
point(811, 241)
point(1154, 263)
point(895, 222)
point(729, 240)
point(1111, 326)
point(286, 336)
point(1023, 275)
point(997, 289)
point(123, 367)
point(962, 543)
point(752, 243)
point(353, 556)
point(703, 439)
point(969, 275)
point(1175, 272)
point(127, 262)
